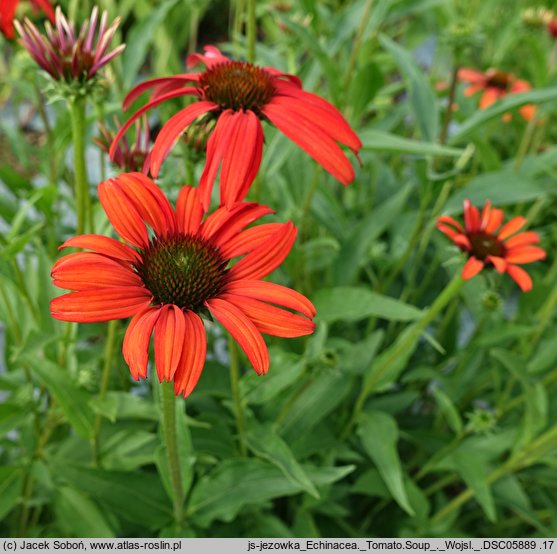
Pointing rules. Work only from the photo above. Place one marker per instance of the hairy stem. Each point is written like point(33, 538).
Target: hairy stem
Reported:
point(236, 396)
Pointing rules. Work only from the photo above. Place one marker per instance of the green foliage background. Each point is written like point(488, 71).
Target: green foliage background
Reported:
point(458, 434)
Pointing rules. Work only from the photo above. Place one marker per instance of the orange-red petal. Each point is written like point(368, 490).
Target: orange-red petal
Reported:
point(471, 268)
point(511, 227)
point(189, 211)
point(271, 320)
point(267, 256)
point(149, 201)
point(271, 292)
point(520, 276)
point(242, 157)
point(193, 356)
point(103, 245)
point(311, 138)
point(525, 254)
point(498, 263)
point(448, 220)
point(489, 97)
point(122, 214)
point(90, 271)
point(496, 217)
point(243, 331)
point(173, 128)
point(136, 341)
point(522, 239)
point(248, 240)
point(169, 341)
point(100, 305)
point(471, 217)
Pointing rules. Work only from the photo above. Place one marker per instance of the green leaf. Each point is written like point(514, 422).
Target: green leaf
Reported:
point(264, 442)
point(73, 400)
point(502, 188)
point(422, 97)
point(380, 141)
point(379, 435)
point(235, 484)
point(480, 117)
point(140, 39)
point(137, 497)
point(128, 449)
point(317, 399)
point(289, 368)
point(11, 480)
point(354, 249)
point(473, 472)
point(448, 409)
point(355, 303)
point(79, 515)
point(13, 416)
point(122, 405)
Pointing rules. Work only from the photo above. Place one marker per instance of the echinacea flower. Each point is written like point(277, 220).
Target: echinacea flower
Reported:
point(487, 247)
point(129, 156)
point(552, 27)
point(495, 85)
point(240, 96)
point(69, 56)
point(7, 14)
point(165, 279)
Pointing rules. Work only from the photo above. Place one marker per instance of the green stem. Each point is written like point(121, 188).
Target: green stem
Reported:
point(449, 111)
point(105, 381)
point(357, 43)
point(235, 386)
point(171, 444)
point(525, 142)
point(251, 30)
point(402, 347)
point(82, 200)
point(10, 316)
point(310, 193)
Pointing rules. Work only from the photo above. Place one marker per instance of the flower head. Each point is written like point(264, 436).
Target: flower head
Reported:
point(240, 96)
point(552, 27)
point(69, 56)
point(495, 85)
point(487, 247)
point(168, 277)
point(129, 156)
point(7, 14)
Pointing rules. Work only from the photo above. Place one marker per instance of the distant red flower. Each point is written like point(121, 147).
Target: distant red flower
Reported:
point(496, 85)
point(7, 14)
point(241, 95)
point(129, 156)
point(66, 55)
point(552, 27)
point(487, 248)
point(166, 279)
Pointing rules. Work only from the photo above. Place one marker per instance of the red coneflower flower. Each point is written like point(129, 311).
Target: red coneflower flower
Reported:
point(166, 279)
point(66, 55)
point(487, 248)
point(552, 27)
point(7, 14)
point(496, 84)
point(128, 156)
point(239, 96)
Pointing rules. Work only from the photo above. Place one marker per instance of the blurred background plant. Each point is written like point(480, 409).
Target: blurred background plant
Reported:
point(456, 435)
